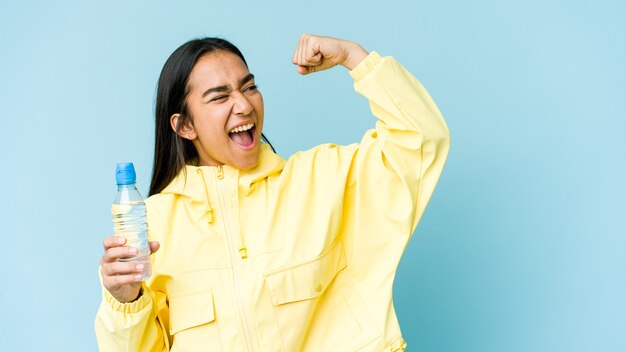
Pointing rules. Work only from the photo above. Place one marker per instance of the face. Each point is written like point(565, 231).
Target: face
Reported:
point(226, 111)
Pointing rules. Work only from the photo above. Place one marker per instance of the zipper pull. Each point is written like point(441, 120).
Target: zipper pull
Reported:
point(243, 252)
point(220, 172)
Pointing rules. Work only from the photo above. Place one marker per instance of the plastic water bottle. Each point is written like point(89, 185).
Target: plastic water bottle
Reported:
point(129, 216)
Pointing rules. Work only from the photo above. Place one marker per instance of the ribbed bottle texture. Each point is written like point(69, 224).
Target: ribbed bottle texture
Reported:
point(129, 216)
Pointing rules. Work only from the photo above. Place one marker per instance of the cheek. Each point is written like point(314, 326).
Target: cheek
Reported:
point(212, 122)
point(258, 106)
point(261, 101)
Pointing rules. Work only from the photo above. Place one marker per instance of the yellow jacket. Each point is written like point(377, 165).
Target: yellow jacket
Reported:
point(296, 255)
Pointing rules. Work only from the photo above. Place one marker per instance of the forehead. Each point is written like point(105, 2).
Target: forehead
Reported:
point(216, 69)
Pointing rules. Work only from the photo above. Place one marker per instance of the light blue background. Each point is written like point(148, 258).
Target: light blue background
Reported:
point(522, 246)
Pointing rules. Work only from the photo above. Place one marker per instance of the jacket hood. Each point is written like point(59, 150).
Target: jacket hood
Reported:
point(190, 183)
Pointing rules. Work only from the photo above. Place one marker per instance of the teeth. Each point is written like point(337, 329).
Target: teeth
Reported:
point(242, 128)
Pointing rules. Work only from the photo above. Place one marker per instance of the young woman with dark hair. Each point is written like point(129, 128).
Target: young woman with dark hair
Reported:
point(258, 253)
point(172, 91)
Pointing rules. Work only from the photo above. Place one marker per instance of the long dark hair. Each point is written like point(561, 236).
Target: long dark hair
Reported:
point(172, 152)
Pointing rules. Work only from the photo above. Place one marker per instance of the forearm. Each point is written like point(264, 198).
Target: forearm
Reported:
point(355, 54)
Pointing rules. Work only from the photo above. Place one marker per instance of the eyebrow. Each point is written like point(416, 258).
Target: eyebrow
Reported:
point(249, 77)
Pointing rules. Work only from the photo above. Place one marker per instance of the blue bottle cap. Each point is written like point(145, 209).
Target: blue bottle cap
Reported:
point(125, 174)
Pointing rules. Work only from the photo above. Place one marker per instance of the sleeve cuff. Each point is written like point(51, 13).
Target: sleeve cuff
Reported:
point(366, 66)
point(128, 308)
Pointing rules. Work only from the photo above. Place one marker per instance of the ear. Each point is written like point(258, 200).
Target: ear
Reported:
point(186, 129)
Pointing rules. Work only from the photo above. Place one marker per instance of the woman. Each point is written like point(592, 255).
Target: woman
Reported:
point(262, 254)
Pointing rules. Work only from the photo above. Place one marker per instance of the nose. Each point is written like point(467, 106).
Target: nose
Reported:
point(241, 105)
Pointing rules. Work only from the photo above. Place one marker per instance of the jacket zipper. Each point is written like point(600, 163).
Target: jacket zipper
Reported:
point(233, 259)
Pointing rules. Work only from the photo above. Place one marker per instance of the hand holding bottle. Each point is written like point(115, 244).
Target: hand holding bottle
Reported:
point(122, 278)
point(126, 260)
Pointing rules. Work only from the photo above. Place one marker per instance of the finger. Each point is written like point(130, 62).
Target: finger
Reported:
point(303, 44)
point(296, 52)
point(154, 246)
point(115, 253)
point(299, 52)
point(122, 268)
point(113, 282)
point(113, 241)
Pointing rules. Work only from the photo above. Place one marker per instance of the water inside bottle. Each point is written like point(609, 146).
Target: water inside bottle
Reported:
point(129, 222)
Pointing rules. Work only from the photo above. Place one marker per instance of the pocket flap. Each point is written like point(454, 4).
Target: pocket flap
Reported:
point(189, 310)
point(306, 280)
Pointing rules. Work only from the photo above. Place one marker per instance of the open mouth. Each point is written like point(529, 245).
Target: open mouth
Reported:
point(243, 135)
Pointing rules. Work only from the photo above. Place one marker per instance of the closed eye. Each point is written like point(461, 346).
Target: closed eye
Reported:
point(252, 88)
point(219, 98)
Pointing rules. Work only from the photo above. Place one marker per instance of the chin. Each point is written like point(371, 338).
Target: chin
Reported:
point(251, 163)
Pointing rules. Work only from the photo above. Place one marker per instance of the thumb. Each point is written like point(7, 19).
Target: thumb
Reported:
point(154, 246)
point(305, 70)
point(315, 59)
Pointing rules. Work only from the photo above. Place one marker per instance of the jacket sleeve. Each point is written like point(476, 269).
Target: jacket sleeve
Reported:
point(394, 170)
point(135, 326)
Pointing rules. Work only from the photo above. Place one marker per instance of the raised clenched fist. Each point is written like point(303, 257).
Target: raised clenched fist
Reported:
point(316, 53)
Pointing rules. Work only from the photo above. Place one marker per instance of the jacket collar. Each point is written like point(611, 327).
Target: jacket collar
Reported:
point(189, 182)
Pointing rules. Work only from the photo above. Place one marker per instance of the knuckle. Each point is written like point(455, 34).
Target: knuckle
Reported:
point(110, 243)
point(126, 279)
point(120, 280)
point(108, 255)
point(107, 270)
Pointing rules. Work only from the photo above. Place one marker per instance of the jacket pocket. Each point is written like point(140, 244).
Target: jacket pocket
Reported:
point(312, 305)
point(192, 322)
point(306, 280)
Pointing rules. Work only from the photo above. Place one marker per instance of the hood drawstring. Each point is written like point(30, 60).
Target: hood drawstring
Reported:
point(208, 201)
point(243, 251)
